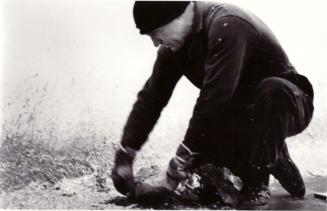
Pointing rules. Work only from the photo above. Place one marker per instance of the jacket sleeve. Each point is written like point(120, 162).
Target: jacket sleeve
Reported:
point(230, 42)
point(153, 97)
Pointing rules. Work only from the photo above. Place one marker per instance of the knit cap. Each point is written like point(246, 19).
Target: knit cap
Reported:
point(149, 15)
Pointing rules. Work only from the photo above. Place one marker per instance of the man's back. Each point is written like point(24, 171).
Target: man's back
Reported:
point(266, 57)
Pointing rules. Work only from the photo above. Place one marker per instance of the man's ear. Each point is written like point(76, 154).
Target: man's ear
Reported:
point(180, 17)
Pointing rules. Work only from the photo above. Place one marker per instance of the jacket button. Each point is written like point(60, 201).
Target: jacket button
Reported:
point(219, 39)
point(225, 24)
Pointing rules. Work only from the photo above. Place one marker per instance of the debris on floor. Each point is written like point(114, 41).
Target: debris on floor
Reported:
point(207, 185)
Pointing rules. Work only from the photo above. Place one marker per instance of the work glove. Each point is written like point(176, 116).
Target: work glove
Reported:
point(122, 172)
point(179, 166)
point(123, 178)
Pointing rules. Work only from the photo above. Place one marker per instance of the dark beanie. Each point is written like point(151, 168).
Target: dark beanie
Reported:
point(149, 15)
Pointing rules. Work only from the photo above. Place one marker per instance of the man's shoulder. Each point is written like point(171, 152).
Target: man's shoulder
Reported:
point(219, 9)
point(215, 11)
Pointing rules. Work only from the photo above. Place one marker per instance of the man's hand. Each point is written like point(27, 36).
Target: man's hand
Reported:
point(178, 168)
point(122, 172)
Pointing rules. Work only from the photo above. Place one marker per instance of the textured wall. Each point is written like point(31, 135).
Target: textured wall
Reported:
point(70, 71)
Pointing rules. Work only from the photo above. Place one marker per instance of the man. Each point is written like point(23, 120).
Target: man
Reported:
point(251, 97)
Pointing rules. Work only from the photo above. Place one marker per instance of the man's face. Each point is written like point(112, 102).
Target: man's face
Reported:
point(172, 35)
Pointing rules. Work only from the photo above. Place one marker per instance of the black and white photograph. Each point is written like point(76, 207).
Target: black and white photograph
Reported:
point(165, 105)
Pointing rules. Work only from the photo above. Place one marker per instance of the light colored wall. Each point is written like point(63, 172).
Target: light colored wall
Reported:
point(70, 70)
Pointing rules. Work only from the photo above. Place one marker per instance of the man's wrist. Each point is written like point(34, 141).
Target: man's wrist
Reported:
point(128, 150)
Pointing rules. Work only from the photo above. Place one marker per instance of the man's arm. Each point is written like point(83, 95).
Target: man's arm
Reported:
point(152, 99)
point(230, 43)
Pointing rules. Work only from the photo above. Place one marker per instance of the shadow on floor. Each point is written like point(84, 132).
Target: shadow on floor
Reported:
point(281, 200)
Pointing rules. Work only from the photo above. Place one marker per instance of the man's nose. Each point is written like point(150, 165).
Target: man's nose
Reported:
point(156, 42)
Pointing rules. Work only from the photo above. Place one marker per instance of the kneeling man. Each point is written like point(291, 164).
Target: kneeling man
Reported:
point(251, 97)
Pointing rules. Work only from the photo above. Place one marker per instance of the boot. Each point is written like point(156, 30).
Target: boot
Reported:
point(255, 191)
point(288, 175)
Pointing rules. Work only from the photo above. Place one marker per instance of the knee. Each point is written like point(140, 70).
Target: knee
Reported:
point(274, 89)
point(274, 97)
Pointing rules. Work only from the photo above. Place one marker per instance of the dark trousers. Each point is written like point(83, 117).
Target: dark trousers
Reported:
point(255, 133)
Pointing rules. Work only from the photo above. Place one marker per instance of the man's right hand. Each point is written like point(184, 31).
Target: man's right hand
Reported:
point(122, 172)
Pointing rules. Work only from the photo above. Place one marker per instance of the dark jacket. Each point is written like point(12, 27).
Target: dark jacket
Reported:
point(227, 55)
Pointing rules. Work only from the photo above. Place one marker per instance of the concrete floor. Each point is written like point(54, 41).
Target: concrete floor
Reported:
point(282, 201)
